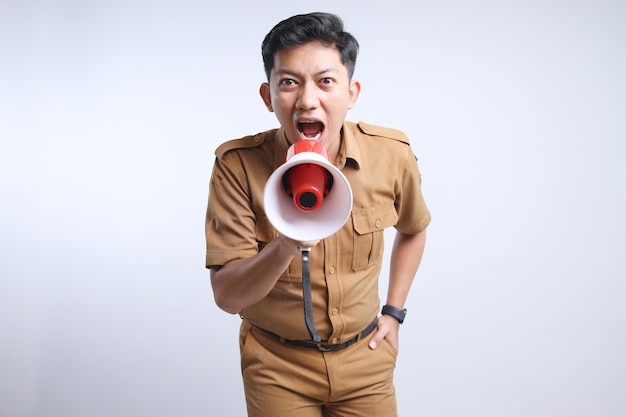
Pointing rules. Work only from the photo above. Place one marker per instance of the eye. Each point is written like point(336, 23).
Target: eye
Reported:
point(287, 84)
point(327, 80)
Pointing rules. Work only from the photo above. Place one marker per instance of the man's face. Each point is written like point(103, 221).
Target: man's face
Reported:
point(311, 93)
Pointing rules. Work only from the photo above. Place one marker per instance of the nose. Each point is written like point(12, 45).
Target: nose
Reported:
point(307, 97)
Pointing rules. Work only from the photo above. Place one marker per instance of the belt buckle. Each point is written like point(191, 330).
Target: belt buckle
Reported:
point(323, 348)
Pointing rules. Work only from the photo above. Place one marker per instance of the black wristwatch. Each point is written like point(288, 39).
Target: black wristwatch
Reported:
point(394, 312)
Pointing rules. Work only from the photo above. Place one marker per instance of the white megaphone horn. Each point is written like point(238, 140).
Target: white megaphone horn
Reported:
point(307, 198)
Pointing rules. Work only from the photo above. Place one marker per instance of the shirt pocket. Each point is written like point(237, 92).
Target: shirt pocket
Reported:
point(369, 225)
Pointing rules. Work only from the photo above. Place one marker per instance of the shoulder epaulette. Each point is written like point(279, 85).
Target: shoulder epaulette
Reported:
point(243, 143)
point(384, 132)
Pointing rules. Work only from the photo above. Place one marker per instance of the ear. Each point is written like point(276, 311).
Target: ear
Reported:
point(355, 90)
point(266, 95)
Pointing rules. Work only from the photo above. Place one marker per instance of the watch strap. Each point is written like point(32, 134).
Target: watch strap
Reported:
point(396, 313)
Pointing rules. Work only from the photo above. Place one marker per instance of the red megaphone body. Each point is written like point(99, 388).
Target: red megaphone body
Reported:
point(307, 183)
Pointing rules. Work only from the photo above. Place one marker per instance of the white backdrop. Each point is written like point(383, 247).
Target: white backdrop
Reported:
point(109, 115)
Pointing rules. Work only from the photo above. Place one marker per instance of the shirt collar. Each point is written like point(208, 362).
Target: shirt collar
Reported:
point(281, 147)
point(349, 148)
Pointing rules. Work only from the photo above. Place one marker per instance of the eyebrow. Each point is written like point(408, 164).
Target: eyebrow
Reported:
point(317, 74)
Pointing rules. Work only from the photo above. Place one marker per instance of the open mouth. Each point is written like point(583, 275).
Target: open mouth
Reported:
point(310, 129)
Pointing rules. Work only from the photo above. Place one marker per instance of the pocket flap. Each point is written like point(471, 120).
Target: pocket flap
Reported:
point(374, 219)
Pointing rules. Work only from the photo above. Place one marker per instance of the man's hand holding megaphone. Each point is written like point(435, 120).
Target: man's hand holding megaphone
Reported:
point(296, 247)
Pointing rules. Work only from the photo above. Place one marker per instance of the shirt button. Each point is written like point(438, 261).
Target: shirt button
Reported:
point(335, 311)
point(256, 139)
point(335, 341)
point(332, 270)
point(276, 234)
point(379, 223)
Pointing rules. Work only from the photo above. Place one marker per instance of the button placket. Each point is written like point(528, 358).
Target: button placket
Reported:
point(333, 288)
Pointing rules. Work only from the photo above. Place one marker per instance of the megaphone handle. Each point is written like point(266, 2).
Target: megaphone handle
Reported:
point(306, 294)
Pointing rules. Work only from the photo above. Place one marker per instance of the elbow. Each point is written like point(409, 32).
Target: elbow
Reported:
point(225, 304)
point(224, 301)
point(224, 298)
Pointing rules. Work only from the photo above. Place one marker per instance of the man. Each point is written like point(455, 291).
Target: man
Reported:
point(257, 272)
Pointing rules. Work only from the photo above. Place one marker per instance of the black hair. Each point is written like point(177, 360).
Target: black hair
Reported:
point(304, 28)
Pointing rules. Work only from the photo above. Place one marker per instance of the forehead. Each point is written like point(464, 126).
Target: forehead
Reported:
point(312, 57)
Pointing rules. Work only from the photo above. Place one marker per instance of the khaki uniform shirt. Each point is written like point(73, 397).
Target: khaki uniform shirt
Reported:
point(386, 185)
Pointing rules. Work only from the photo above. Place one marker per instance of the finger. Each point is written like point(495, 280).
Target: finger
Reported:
point(309, 244)
point(376, 339)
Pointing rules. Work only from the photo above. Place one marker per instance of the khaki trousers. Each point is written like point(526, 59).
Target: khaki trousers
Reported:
point(282, 380)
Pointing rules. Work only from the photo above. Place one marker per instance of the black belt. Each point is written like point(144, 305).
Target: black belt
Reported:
point(326, 347)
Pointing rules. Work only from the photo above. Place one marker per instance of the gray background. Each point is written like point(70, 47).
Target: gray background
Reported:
point(109, 115)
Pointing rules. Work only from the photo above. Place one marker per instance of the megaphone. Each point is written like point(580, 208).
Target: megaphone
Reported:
point(307, 198)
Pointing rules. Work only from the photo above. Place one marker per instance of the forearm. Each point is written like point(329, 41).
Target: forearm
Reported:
point(243, 282)
point(406, 257)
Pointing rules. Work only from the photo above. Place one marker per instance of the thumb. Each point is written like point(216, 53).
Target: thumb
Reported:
point(376, 339)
